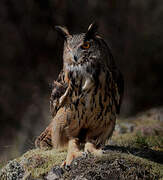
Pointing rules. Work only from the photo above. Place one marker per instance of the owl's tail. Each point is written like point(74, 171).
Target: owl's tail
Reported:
point(44, 141)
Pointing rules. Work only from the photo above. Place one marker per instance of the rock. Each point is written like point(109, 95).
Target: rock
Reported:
point(55, 174)
point(124, 127)
point(134, 154)
point(12, 171)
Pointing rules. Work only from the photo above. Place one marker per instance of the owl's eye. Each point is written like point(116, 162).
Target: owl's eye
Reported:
point(85, 45)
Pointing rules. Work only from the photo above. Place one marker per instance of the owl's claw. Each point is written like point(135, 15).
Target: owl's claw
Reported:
point(63, 164)
point(70, 157)
point(104, 152)
point(84, 154)
point(67, 167)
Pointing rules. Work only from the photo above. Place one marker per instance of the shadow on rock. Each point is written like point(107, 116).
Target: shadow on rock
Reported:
point(152, 155)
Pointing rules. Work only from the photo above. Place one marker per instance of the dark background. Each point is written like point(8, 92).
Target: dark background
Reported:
point(31, 51)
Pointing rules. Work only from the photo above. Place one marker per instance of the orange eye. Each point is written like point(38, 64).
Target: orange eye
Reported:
point(86, 45)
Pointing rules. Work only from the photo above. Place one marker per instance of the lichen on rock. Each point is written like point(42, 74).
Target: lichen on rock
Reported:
point(132, 154)
point(12, 171)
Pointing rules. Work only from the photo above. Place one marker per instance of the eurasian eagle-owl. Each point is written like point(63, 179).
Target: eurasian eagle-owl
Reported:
point(86, 96)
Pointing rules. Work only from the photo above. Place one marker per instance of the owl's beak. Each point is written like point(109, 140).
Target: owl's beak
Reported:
point(75, 58)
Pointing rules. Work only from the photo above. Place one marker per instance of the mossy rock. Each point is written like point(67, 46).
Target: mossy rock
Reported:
point(115, 164)
point(34, 164)
point(130, 155)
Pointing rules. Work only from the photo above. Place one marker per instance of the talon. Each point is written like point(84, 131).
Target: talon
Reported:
point(63, 164)
point(91, 148)
point(67, 167)
point(85, 154)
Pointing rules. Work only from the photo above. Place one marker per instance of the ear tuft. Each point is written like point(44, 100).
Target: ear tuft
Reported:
point(63, 31)
point(92, 29)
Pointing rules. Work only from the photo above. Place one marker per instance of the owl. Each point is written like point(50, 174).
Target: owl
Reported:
point(85, 98)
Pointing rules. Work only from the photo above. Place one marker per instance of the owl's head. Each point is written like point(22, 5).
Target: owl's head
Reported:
point(84, 48)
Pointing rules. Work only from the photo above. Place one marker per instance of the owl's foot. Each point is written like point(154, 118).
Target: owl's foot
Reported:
point(70, 157)
point(73, 152)
point(91, 148)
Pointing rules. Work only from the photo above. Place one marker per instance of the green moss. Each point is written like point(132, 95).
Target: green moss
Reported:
point(134, 153)
point(141, 147)
point(153, 142)
point(39, 162)
point(1, 166)
point(114, 165)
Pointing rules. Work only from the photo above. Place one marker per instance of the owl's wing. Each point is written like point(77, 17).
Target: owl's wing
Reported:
point(118, 82)
point(58, 89)
point(119, 88)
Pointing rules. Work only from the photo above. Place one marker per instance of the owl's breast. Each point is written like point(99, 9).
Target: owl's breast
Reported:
point(78, 77)
point(90, 101)
point(92, 88)
point(89, 90)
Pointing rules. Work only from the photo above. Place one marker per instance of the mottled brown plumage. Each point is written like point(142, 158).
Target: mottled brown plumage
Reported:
point(86, 96)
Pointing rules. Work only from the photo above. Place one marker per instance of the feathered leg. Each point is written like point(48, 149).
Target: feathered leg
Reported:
point(44, 140)
point(73, 151)
point(91, 148)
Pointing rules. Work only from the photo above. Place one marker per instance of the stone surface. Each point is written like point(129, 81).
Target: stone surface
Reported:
point(135, 153)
